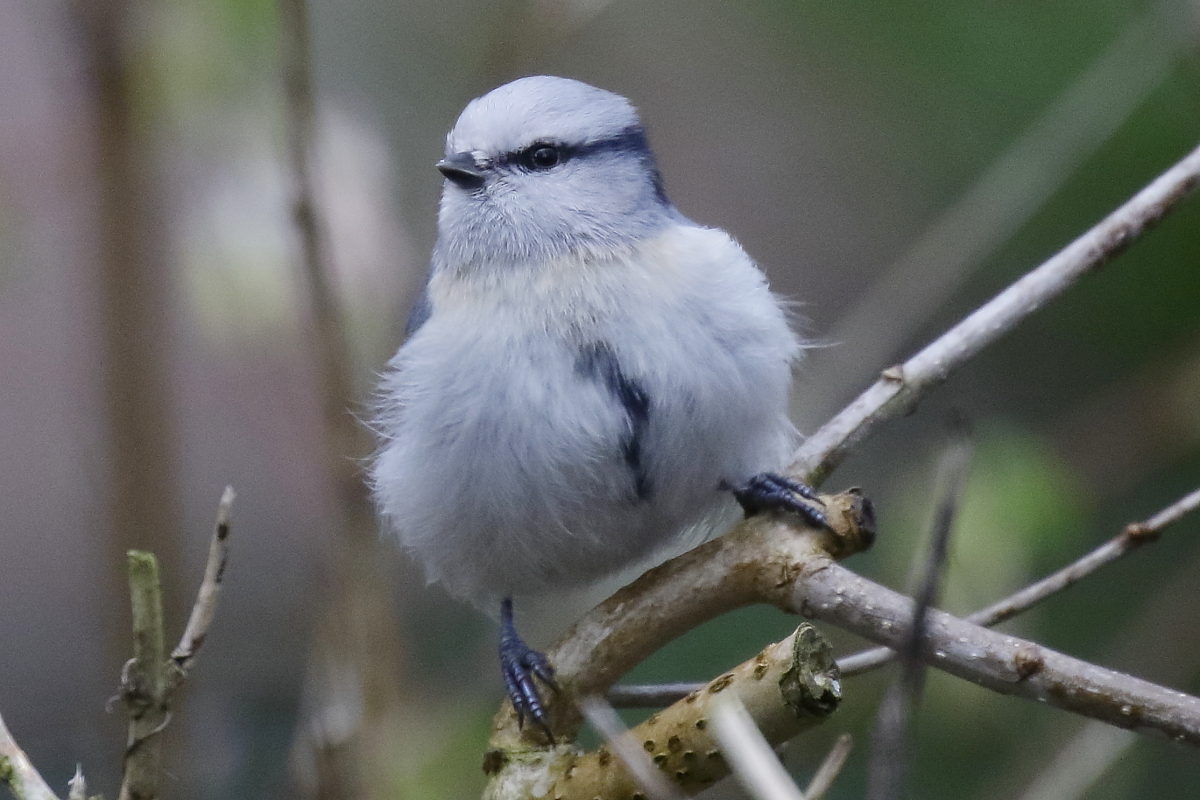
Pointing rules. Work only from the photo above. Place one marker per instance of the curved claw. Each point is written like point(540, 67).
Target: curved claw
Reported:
point(520, 664)
point(767, 491)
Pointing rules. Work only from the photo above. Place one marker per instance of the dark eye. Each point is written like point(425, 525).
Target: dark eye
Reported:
point(541, 156)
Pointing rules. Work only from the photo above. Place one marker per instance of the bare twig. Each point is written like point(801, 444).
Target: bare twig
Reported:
point(1002, 199)
point(901, 386)
point(649, 695)
point(149, 680)
point(1133, 536)
point(346, 438)
point(750, 757)
point(1148, 530)
point(622, 742)
point(1088, 754)
point(17, 771)
point(830, 768)
point(210, 590)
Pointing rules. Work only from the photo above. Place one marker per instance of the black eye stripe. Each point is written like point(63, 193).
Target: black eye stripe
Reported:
point(631, 140)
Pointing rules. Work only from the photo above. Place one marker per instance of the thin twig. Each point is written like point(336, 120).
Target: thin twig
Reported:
point(210, 590)
point(17, 771)
point(346, 439)
point(1088, 754)
point(357, 633)
point(889, 746)
point(649, 695)
point(605, 720)
point(830, 768)
point(774, 560)
point(748, 754)
point(149, 680)
point(900, 387)
point(1133, 536)
point(997, 204)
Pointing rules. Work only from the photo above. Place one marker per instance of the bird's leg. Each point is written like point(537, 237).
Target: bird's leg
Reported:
point(767, 491)
point(520, 664)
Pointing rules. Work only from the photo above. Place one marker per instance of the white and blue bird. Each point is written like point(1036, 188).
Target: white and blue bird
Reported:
point(588, 375)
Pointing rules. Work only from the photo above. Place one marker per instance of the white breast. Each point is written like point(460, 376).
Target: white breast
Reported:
point(503, 469)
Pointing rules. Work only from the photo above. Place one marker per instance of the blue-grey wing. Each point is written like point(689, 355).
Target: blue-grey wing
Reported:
point(420, 311)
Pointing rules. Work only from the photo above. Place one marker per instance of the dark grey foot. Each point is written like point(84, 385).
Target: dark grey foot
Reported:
point(520, 664)
point(768, 491)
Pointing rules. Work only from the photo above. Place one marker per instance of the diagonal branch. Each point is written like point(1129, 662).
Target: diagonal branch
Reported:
point(210, 590)
point(17, 771)
point(900, 387)
point(997, 661)
point(770, 560)
point(1133, 536)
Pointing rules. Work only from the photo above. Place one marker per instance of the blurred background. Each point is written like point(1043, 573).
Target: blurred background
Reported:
point(889, 165)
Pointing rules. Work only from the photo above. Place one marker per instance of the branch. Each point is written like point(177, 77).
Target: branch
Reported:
point(144, 681)
point(772, 560)
point(996, 661)
point(1133, 536)
point(149, 680)
point(888, 755)
point(828, 771)
point(17, 771)
point(210, 590)
point(345, 438)
point(748, 565)
point(900, 387)
point(787, 688)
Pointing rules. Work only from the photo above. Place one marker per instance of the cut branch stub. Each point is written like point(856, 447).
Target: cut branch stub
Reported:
point(789, 687)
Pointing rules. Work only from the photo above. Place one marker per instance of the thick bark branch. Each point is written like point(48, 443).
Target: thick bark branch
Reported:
point(771, 561)
point(787, 688)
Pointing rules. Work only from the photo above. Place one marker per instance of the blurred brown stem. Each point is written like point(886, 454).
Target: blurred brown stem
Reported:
point(354, 665)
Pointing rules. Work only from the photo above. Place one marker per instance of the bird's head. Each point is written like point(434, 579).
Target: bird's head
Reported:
point(543, 168)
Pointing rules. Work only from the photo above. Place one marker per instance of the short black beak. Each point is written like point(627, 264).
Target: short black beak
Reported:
point(462, 170)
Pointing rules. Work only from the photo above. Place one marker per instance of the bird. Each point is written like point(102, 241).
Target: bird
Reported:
point(588, 375)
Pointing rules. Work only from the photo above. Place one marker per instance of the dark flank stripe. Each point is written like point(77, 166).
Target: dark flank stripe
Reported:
point(597, 361)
